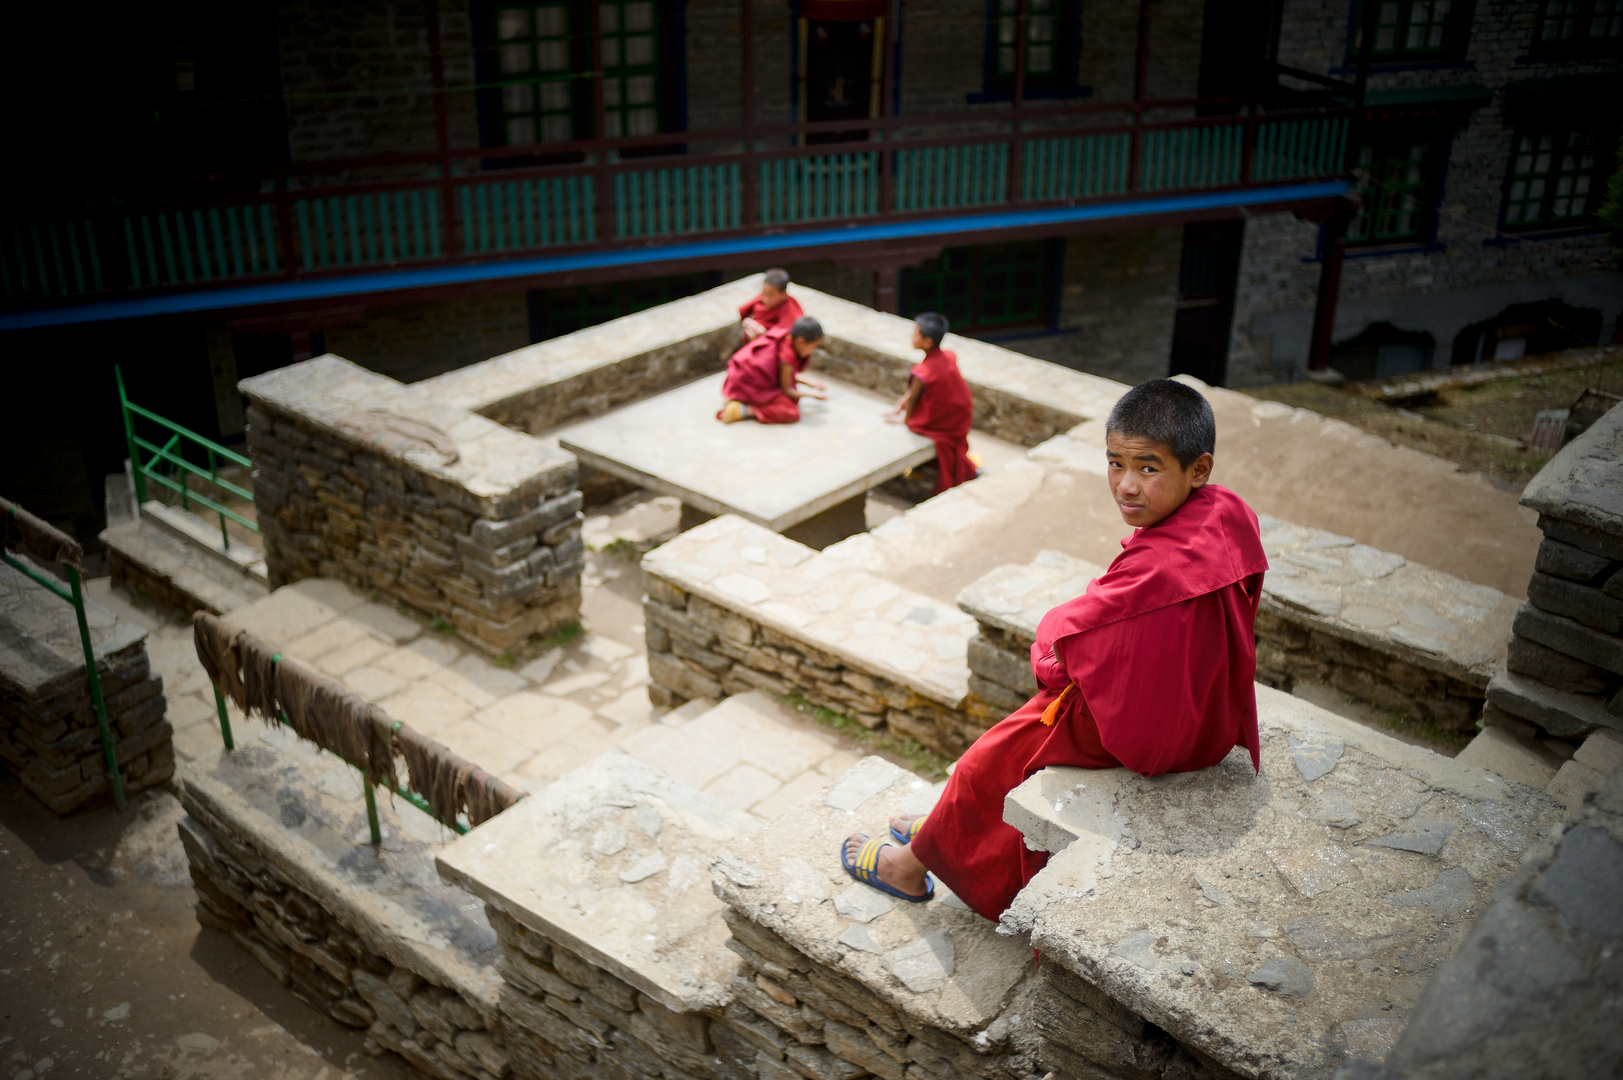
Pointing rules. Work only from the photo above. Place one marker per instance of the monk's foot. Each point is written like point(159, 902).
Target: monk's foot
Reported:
point(897, 866)
point(732, 412)
point(899, 825)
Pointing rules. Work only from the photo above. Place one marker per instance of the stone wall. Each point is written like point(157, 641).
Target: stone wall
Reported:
point(365, 936)
point(49, 736)
point(483, 531)
point(412, 342)
point(732, 607)
point(1563, 677)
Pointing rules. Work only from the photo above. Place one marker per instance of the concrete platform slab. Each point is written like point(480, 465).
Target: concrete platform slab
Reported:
point(775, 475)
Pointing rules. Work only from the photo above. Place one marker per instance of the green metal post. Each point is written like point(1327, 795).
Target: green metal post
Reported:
point(108, 750)
point(225, 719)
point(372, 812)
point(214, 473)
point(129, 440)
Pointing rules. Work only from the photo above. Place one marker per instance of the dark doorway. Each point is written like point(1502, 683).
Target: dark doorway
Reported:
point(1381, 351)
point(1527, 330)
point(841, 80)
point(1206, 277)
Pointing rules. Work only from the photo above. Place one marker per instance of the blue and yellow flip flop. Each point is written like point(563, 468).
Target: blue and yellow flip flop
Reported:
point(866, 870)
point(913, 828)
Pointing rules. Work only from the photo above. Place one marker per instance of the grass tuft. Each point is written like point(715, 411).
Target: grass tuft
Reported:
point(440, 625)
point(911, 753)
point(621, 548)
point(562, 636)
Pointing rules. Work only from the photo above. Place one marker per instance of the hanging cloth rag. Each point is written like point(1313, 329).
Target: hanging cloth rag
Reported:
point(259, 679)
point(217, 651)
point(22, 531)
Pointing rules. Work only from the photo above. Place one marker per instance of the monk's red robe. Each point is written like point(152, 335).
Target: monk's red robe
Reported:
point(1162, 656)
point(752, 377)
point(783, 315)
point(943, 414)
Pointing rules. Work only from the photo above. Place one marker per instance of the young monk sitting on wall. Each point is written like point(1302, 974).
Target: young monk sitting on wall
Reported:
point(1150, 669)
point(937, 404)
point(764, 378)
point(773, 308)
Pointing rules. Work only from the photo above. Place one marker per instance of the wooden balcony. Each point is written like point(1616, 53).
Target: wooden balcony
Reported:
point(465, 209)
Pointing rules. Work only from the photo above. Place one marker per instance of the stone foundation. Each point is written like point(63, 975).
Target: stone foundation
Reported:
point(733, 607)
point(49, 736)
point(363, 935)
point(483, 531)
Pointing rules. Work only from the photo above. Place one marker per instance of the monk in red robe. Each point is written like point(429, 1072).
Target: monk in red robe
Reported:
point(938, 404)
point(765, 378)
point(1151, 669)
point(773, 308)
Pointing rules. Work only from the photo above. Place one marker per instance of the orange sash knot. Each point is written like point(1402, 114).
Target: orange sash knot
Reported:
point(1051, 713)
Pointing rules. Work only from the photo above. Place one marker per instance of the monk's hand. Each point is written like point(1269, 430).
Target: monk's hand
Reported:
point(752, 329)
point(895, 416)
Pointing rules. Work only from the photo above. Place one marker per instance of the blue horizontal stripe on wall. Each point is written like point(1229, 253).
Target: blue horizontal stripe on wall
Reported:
point(468, 273)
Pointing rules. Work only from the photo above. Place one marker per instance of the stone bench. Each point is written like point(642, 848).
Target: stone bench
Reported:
point(732, 606)
point(49, 735)
point(482, 529)
point(1266, 926)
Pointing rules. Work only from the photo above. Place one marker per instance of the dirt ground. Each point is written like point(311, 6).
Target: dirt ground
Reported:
point(105, 972)
point(1474, 427)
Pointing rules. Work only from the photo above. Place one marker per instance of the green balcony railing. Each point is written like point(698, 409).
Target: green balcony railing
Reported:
point(596, 197)
point(170, 464)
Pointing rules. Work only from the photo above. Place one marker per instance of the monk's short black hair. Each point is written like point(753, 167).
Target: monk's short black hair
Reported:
point(776, 277)
point(807, 328)
point(933, 325)
point(1167, 411)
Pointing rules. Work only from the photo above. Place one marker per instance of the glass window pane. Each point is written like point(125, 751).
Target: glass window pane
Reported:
point(1040, 28)
point(640, 16)
point(552, 55)
point(556, 128)
point(611, 52)
point(611, 125)
point(608, 19)
point(552, 21)
point(554, 96)
point(643, 121)
point(640, 90)
point(516, 99)
point(520, 130)
point(515, 59)
point(611, 92)
point(1005, 59)
point(1040, 59)
point(1005, 31)
point(639, 50)
point(512, 23)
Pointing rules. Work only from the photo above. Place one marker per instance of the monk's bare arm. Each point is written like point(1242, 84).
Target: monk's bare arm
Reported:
point(786, 382)
point(907, 402)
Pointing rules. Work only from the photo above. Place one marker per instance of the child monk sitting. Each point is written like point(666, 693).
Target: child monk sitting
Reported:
point(773, 308)
point(764, 378)
point(937, 404)
point(1150, 669)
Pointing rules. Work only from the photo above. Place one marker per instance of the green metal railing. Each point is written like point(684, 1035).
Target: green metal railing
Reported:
point(169, 461)
point(374, 826)
point(74, 594)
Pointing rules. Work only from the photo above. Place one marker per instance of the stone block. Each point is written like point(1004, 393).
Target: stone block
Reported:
point(1585, 538)
point(1567, 636)
point(1557, 669)
point(1586, 604)
point(1574, 782)
point(1497, 750)
point(491, 534)
point(1564, 560)
point(1561, 714)
point(1602, 751)
point(994, 664)
point(671, 674)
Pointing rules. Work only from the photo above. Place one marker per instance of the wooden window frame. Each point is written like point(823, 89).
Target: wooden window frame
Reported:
point(1066, 42)
point(1451, 51)
point(1581, 13)
point(1426, 190)
point(1526, 149)
point(1050, 253)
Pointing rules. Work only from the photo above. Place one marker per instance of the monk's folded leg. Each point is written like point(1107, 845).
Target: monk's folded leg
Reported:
point(780, 410)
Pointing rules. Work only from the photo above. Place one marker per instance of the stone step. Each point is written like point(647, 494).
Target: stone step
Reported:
point(189, 528)
point(147, 556)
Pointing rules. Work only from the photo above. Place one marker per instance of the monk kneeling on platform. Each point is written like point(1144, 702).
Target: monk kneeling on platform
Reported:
point(773, 308)
point(1150, 669)
point(764, 378)
point(938, 404)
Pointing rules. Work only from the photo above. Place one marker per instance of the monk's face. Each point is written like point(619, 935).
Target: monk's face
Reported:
point(921, 342)
point(1146, 479)
point(772, 296)
point(804, 348)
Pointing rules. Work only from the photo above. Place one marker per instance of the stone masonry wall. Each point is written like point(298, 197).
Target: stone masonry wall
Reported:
point(274, 898)
point(1470, 274)
point(490, 542)
point(49, 737)
point(1564, 671)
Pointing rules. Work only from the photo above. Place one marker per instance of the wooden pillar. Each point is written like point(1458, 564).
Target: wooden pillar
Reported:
point(1141, 75)
point(442, 127)
point(1324, 306)
point(604, 191)
point(746, 93)
point(886, 290)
